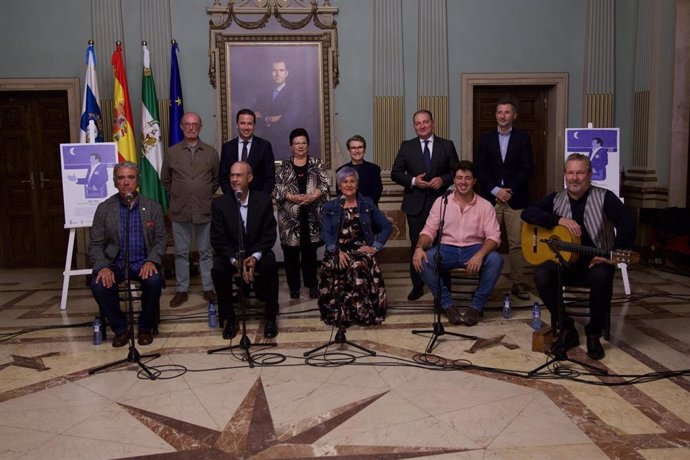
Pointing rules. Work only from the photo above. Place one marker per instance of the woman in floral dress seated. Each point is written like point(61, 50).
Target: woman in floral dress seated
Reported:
point(354, 231)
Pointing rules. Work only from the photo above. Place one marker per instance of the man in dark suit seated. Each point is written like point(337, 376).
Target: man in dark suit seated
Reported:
point(252, 149)
point(147, 242)
point(424, 166)
point(253, 212)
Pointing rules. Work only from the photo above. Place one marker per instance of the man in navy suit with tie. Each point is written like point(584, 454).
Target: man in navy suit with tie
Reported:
point(424, 167)
point(252, 149)
point(504, 167)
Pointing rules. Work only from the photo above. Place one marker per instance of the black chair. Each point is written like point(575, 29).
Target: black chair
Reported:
point(123, 292)
point(462, 287)
point(576, 304)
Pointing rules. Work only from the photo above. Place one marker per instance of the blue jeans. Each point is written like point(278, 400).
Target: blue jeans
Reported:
point(182, 236)
point(457, 257)
point(109, 302)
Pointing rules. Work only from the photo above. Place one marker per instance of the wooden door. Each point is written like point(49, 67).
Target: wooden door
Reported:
point(32, 126)
point(532, 105)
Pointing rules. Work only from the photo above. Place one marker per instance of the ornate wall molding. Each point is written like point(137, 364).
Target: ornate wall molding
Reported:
point(274, 22)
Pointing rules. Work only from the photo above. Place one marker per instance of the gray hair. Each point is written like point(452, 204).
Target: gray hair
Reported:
point(578, 157)
point(345, 172)
point(125, 164)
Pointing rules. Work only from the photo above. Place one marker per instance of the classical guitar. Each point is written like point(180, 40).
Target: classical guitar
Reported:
point(538, 244)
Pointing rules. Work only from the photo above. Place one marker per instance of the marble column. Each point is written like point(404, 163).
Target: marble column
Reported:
point(432, 62)
point(389, 85)
point(599, 76)
point(641, 183)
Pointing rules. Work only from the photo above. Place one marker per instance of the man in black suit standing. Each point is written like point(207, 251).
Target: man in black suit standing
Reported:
point(253, 212)
point(504, 167)
point(252, 149)
point(424, 167)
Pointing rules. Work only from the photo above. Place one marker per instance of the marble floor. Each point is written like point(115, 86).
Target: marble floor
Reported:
point(471, 399)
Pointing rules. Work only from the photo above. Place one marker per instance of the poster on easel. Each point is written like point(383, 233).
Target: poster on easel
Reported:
point(87, 179)
point(601, 145)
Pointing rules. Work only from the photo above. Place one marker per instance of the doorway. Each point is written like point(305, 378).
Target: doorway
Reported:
point(32, 126)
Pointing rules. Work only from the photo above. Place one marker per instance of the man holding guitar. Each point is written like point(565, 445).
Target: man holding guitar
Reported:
point(590, 214)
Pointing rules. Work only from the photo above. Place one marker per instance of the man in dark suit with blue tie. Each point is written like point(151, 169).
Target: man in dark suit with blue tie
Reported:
point(424, 167)
point(504, 167)
point(252, 149)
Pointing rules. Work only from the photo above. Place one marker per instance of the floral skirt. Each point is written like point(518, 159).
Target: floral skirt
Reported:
point(358, 290)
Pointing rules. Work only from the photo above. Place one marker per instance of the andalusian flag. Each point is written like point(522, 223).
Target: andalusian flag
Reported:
point(90, 108)
point(176, 105)
point(123, 131)
point(151, 143)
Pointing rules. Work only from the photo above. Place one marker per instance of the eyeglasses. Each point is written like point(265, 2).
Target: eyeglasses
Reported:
point(357, 147)
point(191, 125)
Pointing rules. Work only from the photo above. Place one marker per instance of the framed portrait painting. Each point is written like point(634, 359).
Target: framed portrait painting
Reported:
point(285, 80)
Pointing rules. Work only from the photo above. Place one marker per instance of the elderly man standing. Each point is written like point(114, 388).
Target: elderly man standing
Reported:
point(190, 175)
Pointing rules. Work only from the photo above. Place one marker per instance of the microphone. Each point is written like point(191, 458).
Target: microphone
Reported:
point(446, 194)
point(129, 197)
point(238, 195)
point(341, 200)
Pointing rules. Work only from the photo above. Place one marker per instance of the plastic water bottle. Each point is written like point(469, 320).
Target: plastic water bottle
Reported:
point(97, 335)
point(536, 316)
point(212, 316)
point(506, 306)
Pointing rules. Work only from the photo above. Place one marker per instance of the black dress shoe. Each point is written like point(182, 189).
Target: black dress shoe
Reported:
point(571, 339)
point(230, 329)
point(313, 293)
point(453, 315)
point(415, 293)
point(594, 348)
point(145, 337)
point(294, 294)
point(470, 316)
point(120, 340)
point(271, 328)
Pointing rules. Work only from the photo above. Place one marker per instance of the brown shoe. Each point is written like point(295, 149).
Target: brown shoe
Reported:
point(120, 340)
point(210, 297)
point(520, 291)
point(470, 316)
point(145, 337)
point(179, 299)
point(453, 315)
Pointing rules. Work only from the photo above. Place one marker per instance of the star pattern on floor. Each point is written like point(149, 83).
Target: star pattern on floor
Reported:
point(250, 433)
point(30, 362)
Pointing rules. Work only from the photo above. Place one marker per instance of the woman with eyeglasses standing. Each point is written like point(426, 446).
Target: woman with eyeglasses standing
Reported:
point(301, 190)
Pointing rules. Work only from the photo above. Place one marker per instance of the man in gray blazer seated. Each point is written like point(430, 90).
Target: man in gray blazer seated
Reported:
point(147, 242)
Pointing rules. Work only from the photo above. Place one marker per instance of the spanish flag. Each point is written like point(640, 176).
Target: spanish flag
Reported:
point(123, 132)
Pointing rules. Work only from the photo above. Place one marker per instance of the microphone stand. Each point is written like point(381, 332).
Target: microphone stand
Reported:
point(438, 329)
point(560, 353)
point(133, 356)
point(340, 337)
point(245, 344)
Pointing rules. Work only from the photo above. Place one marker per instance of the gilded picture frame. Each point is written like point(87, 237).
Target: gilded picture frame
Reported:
point(252, 67)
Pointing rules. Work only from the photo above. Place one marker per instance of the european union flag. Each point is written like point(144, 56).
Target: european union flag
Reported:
point(176, 104)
